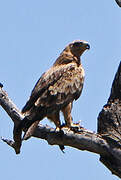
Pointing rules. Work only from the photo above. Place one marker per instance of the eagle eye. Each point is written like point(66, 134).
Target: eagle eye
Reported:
point(77, 44)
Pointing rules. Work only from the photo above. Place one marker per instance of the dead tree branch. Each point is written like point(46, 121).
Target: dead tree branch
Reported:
point(109, 125)
point(118, 2)
point(106, 143)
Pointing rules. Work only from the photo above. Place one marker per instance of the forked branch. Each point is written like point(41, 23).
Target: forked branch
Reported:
point(106, 143)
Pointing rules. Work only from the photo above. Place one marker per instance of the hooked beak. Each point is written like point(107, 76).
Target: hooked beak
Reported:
point(88, 46)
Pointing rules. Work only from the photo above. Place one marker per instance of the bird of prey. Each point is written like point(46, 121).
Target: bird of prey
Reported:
point(56, 90)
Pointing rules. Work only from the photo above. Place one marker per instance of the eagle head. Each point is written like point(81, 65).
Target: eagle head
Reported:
point(72, 52)
point(77, 47)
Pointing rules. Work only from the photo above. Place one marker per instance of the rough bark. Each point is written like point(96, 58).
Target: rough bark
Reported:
point(118, 2)
point(109, 124)
point(106, 143)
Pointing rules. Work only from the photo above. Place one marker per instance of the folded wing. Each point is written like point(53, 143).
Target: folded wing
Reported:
point(56, 88)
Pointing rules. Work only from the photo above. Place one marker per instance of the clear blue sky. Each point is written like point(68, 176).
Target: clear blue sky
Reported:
point(32, 35)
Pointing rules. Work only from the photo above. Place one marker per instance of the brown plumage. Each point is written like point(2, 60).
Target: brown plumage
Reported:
point(56, 89)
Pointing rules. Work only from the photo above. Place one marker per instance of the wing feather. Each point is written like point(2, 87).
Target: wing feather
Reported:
point(57, 87)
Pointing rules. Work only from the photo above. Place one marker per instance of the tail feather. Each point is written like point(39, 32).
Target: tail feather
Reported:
point(30, 130)
point(29, 126)
point(27, 107)
point(25, 123)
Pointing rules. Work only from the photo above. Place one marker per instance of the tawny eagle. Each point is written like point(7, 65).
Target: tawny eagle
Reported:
point(56, 90)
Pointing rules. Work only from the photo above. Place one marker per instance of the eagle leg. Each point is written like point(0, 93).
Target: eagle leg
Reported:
point(68, 118)
point(55, 117)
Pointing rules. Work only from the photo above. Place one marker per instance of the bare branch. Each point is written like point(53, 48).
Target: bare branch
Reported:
point(107, 143)
point(90, 140)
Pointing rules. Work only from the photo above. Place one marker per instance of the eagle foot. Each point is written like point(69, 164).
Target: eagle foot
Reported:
point(75, 127)
point(60, 133)
point(58, 129)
